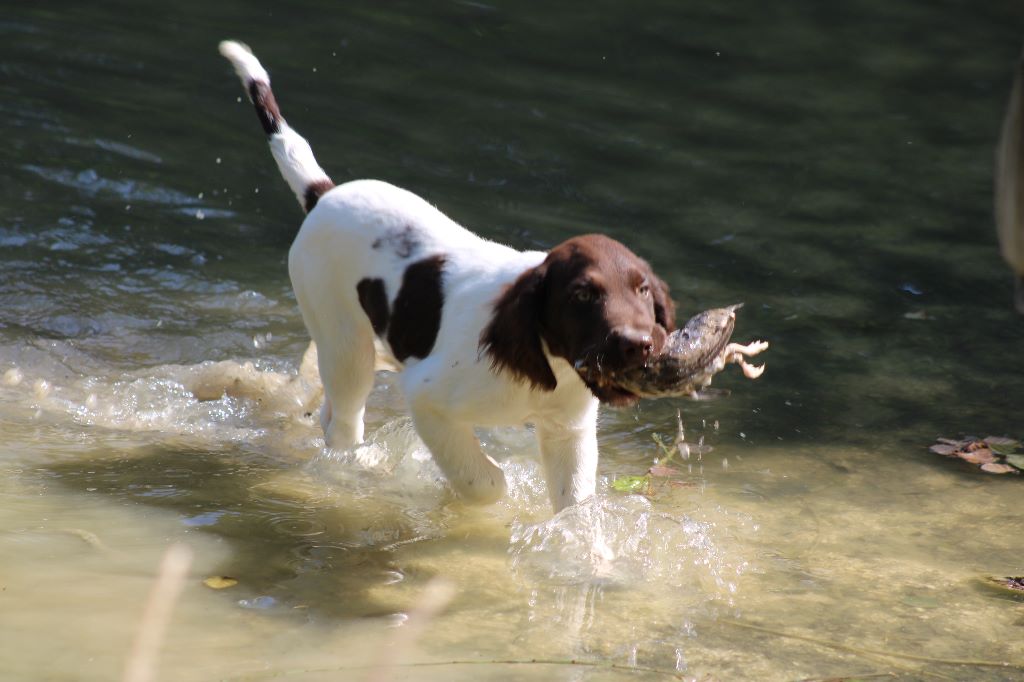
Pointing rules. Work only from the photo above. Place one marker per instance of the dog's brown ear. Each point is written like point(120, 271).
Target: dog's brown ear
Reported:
point(513, 336)
point(664, 308)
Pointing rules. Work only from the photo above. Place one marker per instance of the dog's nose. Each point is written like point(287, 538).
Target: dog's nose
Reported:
point(634, 347)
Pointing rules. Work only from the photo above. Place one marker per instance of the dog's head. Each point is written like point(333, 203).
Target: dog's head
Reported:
point(594, 303)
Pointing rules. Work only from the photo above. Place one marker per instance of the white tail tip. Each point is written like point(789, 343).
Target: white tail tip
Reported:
point(246, 65)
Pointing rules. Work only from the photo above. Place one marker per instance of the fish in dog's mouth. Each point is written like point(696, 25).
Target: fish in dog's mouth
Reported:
point(601, 383)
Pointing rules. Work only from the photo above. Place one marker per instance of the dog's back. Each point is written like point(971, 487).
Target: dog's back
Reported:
point(376, 266)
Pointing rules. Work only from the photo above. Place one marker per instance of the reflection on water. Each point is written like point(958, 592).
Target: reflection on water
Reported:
point(829, 166)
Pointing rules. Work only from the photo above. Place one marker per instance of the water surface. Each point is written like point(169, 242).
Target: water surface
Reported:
point(829, 166)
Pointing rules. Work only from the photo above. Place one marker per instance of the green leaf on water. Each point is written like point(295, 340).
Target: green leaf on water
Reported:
point(1015, 460)
point(631, 484)
point(1003, 448)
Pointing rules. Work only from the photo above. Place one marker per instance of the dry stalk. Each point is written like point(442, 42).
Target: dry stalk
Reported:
point(170, 580)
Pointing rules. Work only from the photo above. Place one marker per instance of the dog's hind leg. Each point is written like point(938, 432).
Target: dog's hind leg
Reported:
point(342, 332)
point(346, 369)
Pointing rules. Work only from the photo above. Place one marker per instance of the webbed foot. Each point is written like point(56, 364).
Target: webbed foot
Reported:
point(736, 353)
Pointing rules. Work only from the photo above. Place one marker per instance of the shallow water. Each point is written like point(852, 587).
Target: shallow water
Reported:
point(831, 167)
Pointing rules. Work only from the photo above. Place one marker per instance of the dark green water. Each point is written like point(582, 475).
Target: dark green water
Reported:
point(828, 164)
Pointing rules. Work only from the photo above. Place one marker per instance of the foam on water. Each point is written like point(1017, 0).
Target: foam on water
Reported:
point(393, 456)
point(213, 401)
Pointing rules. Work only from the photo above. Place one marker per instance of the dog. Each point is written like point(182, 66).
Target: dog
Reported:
point(482, 334)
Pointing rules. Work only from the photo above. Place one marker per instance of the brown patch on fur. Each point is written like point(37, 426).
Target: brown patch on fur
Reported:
point(402, 241)
point(416, 314)
point(513, 336)
point(664, 307)
point(594, 303)
point(314, 191)
point(374, 300)
point(266, 107)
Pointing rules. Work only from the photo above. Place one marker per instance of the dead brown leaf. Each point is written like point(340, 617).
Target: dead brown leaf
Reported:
point(995, 468)
point(979, 456)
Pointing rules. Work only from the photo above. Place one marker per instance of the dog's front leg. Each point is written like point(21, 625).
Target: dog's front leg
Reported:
point(473, 476)
point(570, 461)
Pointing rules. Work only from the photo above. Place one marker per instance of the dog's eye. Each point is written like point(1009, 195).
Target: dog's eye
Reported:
point(584, 295)
point(644, 290)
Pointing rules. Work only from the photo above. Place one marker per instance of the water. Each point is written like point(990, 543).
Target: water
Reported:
point(829, 166)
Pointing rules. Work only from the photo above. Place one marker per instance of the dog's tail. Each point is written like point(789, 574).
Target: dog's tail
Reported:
point(291, 151)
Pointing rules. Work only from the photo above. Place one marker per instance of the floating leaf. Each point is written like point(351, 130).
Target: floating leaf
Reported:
point(220, 582)
point(1004, 446)
point(1016, 460)
point(993, 454)
point(979, 456)
point(631, 484)
point(995, 468)
point(662, 471)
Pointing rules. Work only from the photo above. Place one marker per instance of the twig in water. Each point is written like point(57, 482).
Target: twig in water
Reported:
point(603, 665)
point(854, 676)
point(875, 652)
point(170, 580)
point(88, 537)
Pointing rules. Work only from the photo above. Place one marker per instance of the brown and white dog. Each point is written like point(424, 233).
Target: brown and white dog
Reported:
point(483, 335)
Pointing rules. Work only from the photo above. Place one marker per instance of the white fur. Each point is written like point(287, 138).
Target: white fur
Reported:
point(454, 389)
point(295, 161)
point(292, 153)
point(246, 65)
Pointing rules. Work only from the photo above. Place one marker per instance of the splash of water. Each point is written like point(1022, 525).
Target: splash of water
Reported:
point(626, 541)
point(214, 401)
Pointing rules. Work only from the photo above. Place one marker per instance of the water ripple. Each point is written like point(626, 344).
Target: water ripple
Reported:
point(91, 182)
